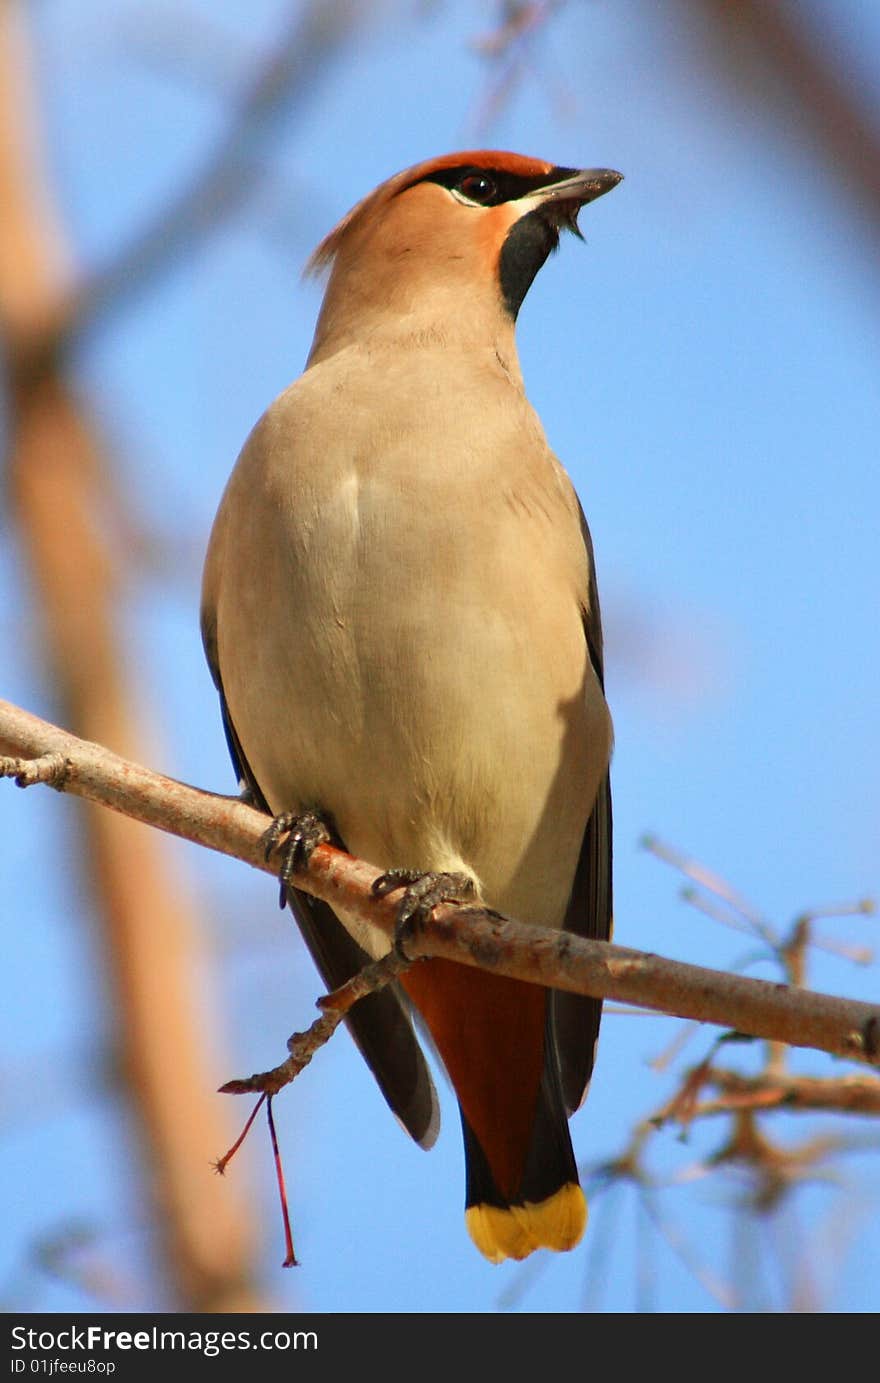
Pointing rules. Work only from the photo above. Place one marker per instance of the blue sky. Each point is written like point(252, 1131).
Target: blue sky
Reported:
point(706, 367)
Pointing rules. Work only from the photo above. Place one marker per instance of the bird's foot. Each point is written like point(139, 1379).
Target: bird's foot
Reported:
point(422, 893)
point(296, 836)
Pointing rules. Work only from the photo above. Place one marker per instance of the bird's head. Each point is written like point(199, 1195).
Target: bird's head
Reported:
point(452, 244)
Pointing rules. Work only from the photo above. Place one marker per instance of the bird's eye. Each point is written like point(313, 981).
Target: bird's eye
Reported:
point(477, 187)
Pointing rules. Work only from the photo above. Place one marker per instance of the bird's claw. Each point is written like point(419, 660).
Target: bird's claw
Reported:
point(296, 836)
point(422, 893)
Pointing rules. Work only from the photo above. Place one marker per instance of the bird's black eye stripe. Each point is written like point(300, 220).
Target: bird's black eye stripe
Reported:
point(493, 186)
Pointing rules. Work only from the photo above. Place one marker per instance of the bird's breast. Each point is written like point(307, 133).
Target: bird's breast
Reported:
point(418, 650)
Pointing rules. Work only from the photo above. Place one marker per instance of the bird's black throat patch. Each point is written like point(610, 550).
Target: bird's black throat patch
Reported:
point(530, 240)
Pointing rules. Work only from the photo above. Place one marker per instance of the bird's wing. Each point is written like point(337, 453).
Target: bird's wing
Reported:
point(380, 1022)
point(574, 1018)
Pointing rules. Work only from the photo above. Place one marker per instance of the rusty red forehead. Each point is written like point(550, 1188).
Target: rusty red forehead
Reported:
point(499, 159)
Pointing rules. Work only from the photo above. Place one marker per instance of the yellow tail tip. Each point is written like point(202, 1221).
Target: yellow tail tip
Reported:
point(516, 1231)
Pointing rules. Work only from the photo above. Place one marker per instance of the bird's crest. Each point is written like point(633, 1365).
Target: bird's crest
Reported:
point(495, 159)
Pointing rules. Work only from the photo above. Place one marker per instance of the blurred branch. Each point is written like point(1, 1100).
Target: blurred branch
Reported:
point(845, 1095)
point(57, 478)
point(796, 70)
point(298, 59)
point(770, 1170)
point(473, 936)
point(510, 49)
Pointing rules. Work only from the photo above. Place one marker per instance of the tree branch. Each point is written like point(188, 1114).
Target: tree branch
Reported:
point(472, 936)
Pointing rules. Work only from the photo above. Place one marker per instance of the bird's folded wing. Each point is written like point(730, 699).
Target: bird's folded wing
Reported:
point(575, 1018)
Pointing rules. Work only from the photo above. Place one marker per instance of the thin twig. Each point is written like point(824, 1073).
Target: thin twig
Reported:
point(839, 1094)
point(302, 1046)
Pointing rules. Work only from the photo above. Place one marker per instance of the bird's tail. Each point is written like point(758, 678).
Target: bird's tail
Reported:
point(495, 1037)
point(548, 1208)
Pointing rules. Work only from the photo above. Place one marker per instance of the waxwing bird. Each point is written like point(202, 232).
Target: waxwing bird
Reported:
point(401, 617)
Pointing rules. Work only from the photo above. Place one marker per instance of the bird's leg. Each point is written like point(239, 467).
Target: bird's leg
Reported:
point(422, 893)
point(295, 835)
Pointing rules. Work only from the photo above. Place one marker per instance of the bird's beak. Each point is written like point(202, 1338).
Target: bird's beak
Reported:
point(562, 201)
point(584, 186)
